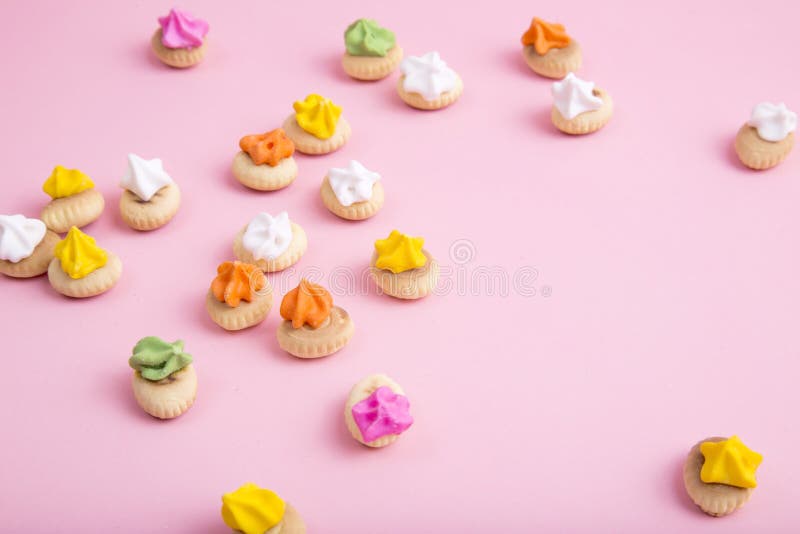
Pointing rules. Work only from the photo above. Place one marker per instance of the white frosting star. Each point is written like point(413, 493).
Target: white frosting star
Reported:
point(428, 75)
point(573, 96)
point(267, 237)
point(773, 121)
point(353, 183)
point(144, 177)
point(19, 236)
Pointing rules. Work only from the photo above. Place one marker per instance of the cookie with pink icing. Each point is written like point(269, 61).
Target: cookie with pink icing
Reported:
point(180, 40)
point(377, 411)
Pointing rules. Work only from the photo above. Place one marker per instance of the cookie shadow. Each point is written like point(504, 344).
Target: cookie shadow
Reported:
point(728, 152)
point(331, 65)
point(342, 440)
point(120, 387)
point(513, 61)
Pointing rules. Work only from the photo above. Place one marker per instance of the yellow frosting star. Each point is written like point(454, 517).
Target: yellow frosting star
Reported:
point(729, 462)
point(252, 510)
point(400, 252)
point(79, 255)
point(65, 182)
point(317, 115)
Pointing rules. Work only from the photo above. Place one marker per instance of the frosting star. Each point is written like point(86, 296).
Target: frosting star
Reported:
point(144, 177)
point(382, 413)
point(574, 96)
point(352, 183)
point(19, 236)
point(729, 462)
point(252, 510)
point(428, 75)
point(400, 252)
point(267, 237)
point(773, 121)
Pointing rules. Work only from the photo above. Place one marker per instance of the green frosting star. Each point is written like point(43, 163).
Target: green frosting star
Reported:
point(365, 37)
point(155, 359)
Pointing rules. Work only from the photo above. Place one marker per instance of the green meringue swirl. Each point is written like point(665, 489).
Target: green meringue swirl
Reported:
point(365, 37)
point(156, 359)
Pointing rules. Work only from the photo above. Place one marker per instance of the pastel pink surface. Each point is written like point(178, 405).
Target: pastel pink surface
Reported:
point(665, 274)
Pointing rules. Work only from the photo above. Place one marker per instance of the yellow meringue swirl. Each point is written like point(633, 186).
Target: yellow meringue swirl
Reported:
point(400, 252)
point(317, 115)
point(79, 254)
point(252, 510)
point(65, 182)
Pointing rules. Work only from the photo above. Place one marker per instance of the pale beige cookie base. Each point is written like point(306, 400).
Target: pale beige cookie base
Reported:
point(714, 499)
point(80, 209)
point(309, 144)
point(94, 283)
point(557, 62)
point(758, 154)
point(587, 122)
point(370, 68)
point(264, 177)
point(413, 284)
point(151, 214)
point(358, 210)
point(416, 100)
point(179, 58)
point(289, 257)
point(307, 342)
point(37, 263)
point(291, 523)
point(361, 391)
point(245, 315)
point(168, 398)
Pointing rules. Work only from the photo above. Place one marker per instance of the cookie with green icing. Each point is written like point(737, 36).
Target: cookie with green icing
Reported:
point(156, 359)
point(365, 37)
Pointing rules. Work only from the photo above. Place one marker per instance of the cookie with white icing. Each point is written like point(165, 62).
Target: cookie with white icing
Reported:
point(353, 192)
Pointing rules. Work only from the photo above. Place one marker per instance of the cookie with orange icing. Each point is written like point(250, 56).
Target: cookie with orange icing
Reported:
point(317, 126)
point(82, 269)
point(313, 327)
point(240, 296)
point(265, 161)
point(74, 200)
point(549, 51)
point(403, 269)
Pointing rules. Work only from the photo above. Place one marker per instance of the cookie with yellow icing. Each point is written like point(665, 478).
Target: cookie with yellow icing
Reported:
point(719, 474)
point(164, 381)
point(316, 126)
point(313, 327)
point(254, 510)
point(75, 201)
point(402, 268)
point(240, 296)
point(82, 269)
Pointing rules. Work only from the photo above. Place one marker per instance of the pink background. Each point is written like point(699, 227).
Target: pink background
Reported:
point(671, 273)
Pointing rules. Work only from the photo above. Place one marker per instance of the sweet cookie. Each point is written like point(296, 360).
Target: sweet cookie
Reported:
point(75, 201)
point(254, 510)
point(402, 268)
point(151, 199)
point(180, 39)
point(720, 475)
point(164, 382)
point(549, 51)
point(272, 243)
point(240, 296)
point(579, 107)
point(428, 83)
point(265, 162)
point(767, 138)
point(82, 269)
point(353, 192)
point(26, 246)
point(377, 411)
point(313, 326)
point(316, 126)
point(371, 52)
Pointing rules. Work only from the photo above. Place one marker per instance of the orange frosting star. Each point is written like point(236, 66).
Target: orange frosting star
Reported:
point(269, 148)
point(544, 36)
point(307, 304)
point(237, 281)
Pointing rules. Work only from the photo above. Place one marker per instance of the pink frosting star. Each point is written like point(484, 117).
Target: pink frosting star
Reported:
point(181, 30)
point(382, 413)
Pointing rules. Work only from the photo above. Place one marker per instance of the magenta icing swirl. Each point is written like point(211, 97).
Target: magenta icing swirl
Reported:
point(381, 414)
point(180, 29)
